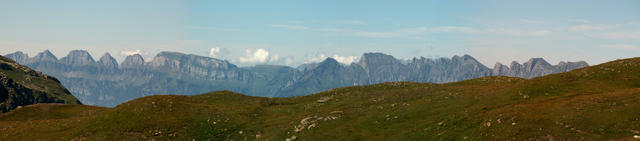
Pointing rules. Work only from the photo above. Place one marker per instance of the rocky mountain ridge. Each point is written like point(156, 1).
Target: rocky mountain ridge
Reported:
point(108, 83)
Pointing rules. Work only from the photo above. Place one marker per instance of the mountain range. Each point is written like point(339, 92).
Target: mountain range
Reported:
point(107, 83)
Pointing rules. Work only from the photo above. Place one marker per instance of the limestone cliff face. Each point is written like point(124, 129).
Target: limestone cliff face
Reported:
point(447, 69)
point(78, 58)
point(383, 68)
point(198, 66)
point(133, 61)
point(106, 83)
point(535, 67)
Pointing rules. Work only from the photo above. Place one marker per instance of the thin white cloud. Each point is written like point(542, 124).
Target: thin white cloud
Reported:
point(288, 61)
point(579, 20)
point(130, 52)
point(351, 22)
point(505, 31)
point(390, 34)
point(540, 32)
point(408, 32)
point(258, 56)
point(296, 27)
point(622, 35)
point(217, 28)
point(531, 21)
point(274, 58)
point(340, 59)
point(516, 32)
point(318, 58)
point(621, 46)
point(460, 29)
point(345, 59)
point(586, 27)
point(214, 52)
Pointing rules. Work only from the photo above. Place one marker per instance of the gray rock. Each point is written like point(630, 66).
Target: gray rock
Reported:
point(108, 63)
point(78, 57)
point(133, 61)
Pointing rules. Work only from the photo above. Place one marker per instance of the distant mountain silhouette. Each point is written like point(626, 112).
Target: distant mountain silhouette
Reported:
point(107, 83)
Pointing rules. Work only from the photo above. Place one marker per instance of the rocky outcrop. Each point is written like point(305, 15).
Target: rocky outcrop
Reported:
point(20, 86)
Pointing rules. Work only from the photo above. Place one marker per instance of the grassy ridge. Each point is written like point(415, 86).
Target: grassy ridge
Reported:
point(594, 103)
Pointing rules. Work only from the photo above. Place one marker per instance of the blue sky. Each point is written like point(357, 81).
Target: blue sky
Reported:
point(295, 32)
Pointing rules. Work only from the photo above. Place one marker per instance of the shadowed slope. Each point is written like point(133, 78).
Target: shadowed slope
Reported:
point(21, 86)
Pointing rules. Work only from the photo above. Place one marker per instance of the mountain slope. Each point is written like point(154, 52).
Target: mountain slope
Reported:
point(20, 86)
point(592, 103)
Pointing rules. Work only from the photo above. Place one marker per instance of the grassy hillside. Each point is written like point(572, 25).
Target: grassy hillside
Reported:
point(594, 103)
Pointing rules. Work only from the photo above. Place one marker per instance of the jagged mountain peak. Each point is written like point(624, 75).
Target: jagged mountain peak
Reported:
point(19, 57)
point(47, 52)
point(45, 56)
point(326, 63)
point(106, 56)
point(20, 53)
point(330, 60)
point(466, 58)
point(377, 59)
point(108, 61)
point(514, 63)
point(133, 61)
point(537, 64)
point(78, 57)
point(538, 61)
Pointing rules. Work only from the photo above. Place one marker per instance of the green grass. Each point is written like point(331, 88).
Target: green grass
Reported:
point(594, 103)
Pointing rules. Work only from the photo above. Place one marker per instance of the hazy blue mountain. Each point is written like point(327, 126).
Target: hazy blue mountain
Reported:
point(535, 67)
point(108, 83)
